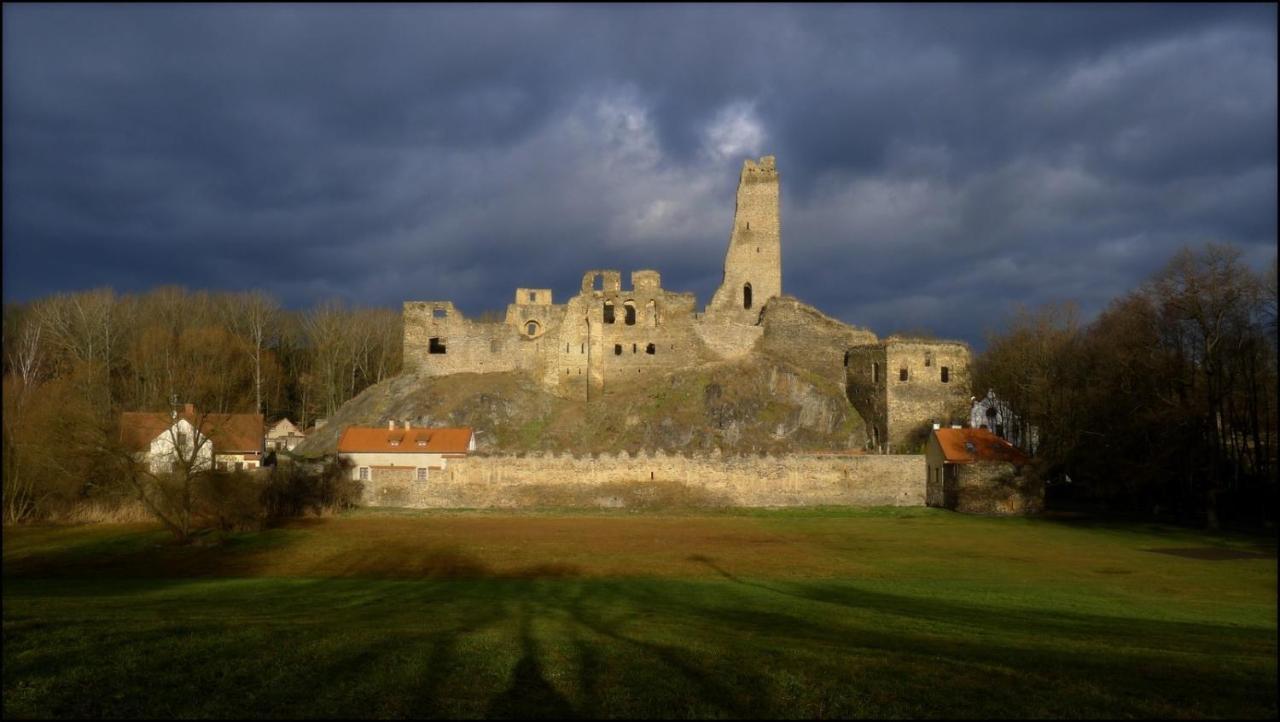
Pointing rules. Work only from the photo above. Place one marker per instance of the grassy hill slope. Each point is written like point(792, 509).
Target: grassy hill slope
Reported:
point(757, 404)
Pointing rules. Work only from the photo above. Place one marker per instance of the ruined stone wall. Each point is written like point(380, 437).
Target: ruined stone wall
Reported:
point(990, 487)
point(793, 480)
point(865, 387)
point(468, 346)
point(924, 398)
point(803, 335)
point(592, 349)
point(899, 412)
point(754, 256)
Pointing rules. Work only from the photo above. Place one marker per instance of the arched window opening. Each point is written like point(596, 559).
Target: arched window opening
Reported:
point(617, 349)
point(629, 311)
point(746, 296)
point(902, 374)
point(608, 311)
point(946, 375)
point(653, 313)
point(531, 328)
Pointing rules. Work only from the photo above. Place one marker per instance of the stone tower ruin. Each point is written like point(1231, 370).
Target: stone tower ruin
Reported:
point(753, 263)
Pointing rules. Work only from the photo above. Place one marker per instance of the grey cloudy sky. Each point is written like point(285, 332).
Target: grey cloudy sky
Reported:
point(939, 163)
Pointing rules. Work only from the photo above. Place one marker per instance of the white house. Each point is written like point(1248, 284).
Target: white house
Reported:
point(283, 436)
point(994, 415)
point(402, 453)
point(224, 441)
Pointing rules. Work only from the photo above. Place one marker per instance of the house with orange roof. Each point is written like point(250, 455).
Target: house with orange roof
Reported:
point(974, 470)
point(207, 440)
point(402, 453)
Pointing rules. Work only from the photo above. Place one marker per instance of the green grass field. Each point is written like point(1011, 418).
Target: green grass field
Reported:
point(802, 613)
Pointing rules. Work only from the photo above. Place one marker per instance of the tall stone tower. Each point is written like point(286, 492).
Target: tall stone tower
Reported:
point(753, 263)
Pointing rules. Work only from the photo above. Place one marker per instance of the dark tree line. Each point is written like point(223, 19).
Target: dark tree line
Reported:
point(72, 362)
point(1165, 403)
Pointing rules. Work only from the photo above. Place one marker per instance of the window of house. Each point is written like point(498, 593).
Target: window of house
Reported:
point(902, 374)
point(436, 345)
point(364, 473)
point(617, 349)
point(532, 297)
point(946, 375)
point(746, 296)
point(629, 313)
point(651, 349)
point(928, 358)
point(531, 328)
point(608, 311)
point(422, 473)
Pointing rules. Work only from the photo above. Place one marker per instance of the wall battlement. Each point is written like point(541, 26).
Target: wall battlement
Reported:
point(611, 480)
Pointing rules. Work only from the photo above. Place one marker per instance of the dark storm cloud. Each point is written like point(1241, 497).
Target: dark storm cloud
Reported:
point(939, 163)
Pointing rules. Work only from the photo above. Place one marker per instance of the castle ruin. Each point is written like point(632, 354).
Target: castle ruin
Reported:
point(609, 334)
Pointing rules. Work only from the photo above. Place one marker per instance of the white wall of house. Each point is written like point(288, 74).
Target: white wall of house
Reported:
point(410, 460)
point(161, 455)
point(247, 460)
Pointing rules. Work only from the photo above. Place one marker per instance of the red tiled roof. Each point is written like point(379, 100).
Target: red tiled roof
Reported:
point(963, 446)
point(230, 433)
point(424, 440)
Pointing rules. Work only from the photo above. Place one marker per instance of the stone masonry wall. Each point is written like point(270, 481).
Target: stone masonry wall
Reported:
point(913, 405)
point(803, 335)
point(899, 412)
point(989, 487)
point(532, 481)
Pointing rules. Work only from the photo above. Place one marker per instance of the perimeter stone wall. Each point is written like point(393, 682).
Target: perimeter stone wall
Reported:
point(618, 481)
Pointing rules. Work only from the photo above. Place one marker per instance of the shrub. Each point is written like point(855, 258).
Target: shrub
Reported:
point(300, 488)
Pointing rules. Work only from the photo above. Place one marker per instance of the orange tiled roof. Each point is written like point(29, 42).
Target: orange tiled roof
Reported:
point(432, 441)
point(230, 433)
point(963, 446)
